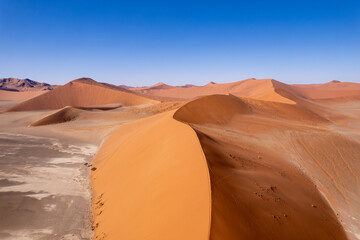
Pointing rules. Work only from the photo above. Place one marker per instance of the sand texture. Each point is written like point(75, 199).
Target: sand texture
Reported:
point(253, 159)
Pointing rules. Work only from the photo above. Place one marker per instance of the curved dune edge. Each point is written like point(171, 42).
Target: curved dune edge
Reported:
point(67, 114)
point(151, 181)
point(213, 109)
point(254, 198)
point(63, 115)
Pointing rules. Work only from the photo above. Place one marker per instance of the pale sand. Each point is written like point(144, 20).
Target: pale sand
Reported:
point(44, 188)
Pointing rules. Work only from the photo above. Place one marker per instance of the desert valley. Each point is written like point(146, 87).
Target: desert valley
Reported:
point(253, 159)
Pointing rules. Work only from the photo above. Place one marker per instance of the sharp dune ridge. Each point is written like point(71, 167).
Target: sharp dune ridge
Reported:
point(253, 159)
point(170, 175)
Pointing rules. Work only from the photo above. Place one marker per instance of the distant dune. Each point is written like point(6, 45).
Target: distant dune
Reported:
point(81, 93)
point(261, 89)
point(333, 90)
point(264, 89)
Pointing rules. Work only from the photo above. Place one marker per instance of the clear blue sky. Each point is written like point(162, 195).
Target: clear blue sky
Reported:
point(179, 42)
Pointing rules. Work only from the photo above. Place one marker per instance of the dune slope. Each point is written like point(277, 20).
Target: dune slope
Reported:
point(65, 114)
point(151, 182)
point(80, 93)
point(261, 186)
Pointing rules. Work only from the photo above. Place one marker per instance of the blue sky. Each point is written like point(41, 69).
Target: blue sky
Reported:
point(178, 42)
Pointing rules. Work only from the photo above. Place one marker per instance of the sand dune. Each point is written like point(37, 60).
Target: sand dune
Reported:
point(214, 109)
point(65, 114)
point(151, 182)
point(254, 159)
point(80, 93)
point(263, 89)
point(68, 114)
point(157, 86)
point(333, 90)
point(271, 182)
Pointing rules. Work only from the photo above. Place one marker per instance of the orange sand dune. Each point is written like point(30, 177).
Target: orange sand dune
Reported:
point(218, 109)
point(151, 182)
point(263, 89)
point(278, 177)
point(331, 90)
point(212, 109)
point(11, 95)
point(81, 93)
point(157, 86)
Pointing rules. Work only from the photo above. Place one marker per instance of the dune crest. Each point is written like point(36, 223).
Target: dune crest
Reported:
point(151, 182)
point(215, 109)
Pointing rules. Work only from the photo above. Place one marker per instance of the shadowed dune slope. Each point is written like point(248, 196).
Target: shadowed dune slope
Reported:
point(212, 109)
point(65, 114)
point(262, 187)
point(151, 182)
point(80, 93)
